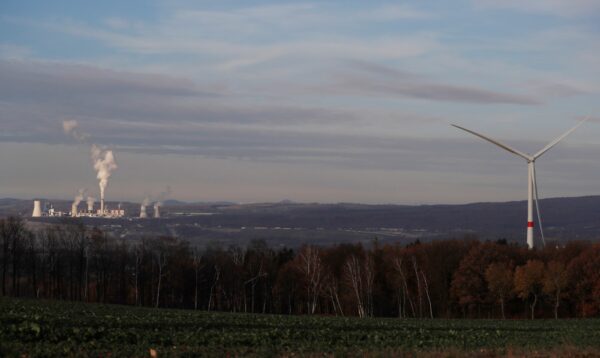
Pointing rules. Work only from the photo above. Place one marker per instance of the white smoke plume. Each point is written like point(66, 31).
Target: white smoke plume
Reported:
point(103, 159)
point(104, 164)
point(71, 128)
point(79, 197)
point(145, 203)
point(159, 201)
point(90, 202)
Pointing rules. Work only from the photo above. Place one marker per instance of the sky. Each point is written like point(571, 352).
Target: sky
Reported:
point(324, 101)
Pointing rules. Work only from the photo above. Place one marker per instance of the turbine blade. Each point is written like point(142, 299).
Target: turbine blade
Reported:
point(494, 141)
point(554, 142)
point(537, 205)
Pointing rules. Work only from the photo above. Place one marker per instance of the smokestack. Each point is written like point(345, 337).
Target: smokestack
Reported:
point(37, 209)
point(102, 205)
point(156, 211)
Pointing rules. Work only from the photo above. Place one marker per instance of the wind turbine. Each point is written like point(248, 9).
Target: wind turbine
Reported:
point(531, 179)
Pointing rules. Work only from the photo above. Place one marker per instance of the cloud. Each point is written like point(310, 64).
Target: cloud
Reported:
point(234, 38)
point(145, 110)
point(155, 114)
point(560, 8)
point(30, 77)
point(393, 12)
point(551, 89)
point(11, 51)
point(372, 79)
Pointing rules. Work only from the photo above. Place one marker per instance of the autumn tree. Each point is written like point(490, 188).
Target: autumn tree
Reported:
point(469, 287)
point(555, 282)
point(529, 282)
point(500, 281)
point(585, 270)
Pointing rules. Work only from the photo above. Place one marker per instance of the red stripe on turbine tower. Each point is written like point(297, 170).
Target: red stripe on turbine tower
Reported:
point(530, 224)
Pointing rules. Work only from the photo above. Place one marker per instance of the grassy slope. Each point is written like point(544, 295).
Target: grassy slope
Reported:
point(49, 328)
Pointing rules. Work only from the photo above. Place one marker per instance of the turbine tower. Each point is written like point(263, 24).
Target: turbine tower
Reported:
point(531, 179)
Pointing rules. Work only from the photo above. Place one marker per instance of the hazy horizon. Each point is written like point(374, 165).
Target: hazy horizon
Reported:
point(285, 201)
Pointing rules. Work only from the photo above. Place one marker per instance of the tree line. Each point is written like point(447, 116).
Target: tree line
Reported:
point(441, 279)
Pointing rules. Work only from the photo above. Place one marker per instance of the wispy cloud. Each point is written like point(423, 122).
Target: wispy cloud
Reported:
point(11, 51)
point(554, 7)
point(373, 79)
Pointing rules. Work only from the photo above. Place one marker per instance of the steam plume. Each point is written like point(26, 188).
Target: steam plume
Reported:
point(159, 202)
point(145, 203)
point(78, 198)
point(104, 164)
point(90, 202)
point(71, 128)
point(103, 159)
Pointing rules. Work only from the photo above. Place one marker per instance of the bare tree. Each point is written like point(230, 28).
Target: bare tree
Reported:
point(427, 293)
point(197, 262)
point(161, 261)
point(331, 285)
point(404, 288)
point(420, 295)
point(212, 287)
point(354, 277)
point(252, 281)
point(369, 279)
point(311, 267)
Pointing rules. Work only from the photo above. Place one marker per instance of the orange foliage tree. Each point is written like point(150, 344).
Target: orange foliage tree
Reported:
point(529, 282)
point(555, 282)
point(499, 277)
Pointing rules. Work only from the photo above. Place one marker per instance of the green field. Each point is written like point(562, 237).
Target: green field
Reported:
point(50, 328)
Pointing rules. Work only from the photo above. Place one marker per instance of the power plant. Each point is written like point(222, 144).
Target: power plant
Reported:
point(104, 163)
point(102, 212)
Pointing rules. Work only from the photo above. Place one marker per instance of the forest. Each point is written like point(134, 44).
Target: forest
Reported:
point(453, 278)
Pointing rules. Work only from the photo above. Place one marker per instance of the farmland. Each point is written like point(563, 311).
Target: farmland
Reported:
point(53, 328)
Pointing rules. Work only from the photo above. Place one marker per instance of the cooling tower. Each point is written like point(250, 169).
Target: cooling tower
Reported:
point(143, 213)
point(156, 212)
point(37, 209)
point(73, 210)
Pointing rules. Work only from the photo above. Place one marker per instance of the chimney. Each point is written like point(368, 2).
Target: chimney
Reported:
point(37, 209)
point(102, 205)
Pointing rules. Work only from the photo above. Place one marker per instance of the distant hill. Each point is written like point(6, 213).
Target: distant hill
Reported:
point(564, 218)
point(572, 218)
